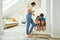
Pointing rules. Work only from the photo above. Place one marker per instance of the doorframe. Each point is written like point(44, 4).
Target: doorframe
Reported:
point(49, 15)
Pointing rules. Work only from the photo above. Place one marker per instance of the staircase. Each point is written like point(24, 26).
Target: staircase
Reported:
point(41, 36)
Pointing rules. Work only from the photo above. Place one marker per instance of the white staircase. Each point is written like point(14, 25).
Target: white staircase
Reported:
point(41, 36)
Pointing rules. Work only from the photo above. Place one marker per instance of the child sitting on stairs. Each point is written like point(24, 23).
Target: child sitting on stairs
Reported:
point(42, 22)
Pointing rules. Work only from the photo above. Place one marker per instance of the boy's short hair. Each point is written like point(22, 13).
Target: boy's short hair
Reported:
point(33, 3)
point(42, 15)
point(37, 16)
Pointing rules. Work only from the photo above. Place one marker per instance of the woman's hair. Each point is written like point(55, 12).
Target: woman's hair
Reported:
point(33, 3)
point(42, 15)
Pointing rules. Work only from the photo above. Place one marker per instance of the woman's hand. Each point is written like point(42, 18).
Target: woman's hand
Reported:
point(33, 14)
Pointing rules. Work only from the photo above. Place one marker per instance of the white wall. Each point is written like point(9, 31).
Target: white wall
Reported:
point(48, 21)
point(14, 8)
point(8, 3)
point(56, 18)
point(42, 8)
point(1, 29)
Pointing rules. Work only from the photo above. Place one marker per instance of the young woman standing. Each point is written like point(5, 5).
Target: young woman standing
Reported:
point(29, 19)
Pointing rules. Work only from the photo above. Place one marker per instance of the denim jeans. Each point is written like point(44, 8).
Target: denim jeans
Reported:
point(29, 21)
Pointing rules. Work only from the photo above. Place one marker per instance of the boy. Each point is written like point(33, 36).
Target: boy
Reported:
point(42, 21)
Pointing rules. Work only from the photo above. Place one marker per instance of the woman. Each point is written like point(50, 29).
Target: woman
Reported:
point(29, 20)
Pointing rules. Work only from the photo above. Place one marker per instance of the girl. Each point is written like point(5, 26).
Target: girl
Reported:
point(37, 22)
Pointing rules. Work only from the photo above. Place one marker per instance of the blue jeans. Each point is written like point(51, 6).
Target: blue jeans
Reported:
point(29, 21)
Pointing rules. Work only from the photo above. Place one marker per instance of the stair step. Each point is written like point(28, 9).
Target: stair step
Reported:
point(37, 32)
point(40, 36)
point(43, 35)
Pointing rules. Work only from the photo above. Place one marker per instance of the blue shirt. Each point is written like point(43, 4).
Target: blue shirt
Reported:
point(42, 19)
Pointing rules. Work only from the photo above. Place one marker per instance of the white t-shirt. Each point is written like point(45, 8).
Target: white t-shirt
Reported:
point(33, 11)
point(31, 8)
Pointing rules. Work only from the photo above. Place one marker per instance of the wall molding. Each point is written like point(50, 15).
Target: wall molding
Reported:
point(54, 36)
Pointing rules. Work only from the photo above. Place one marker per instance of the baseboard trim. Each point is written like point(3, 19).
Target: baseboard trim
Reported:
point(52, 36)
